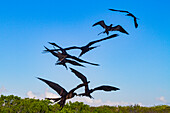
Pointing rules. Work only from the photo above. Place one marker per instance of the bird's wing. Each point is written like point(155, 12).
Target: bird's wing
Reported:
point(63, 62)
point(54, 99)
point(46, 48)
point(119, 28)
point(78, 86)
point(63, 50)
point(79, 75)
point(119, 10)
point(62, 102)
point(111, 36)
point(45, 51)
point(135, 21)
point(73, 47)
point(52, 52)
point(54, 44)
point(60, 90)
point(105, 88)
point(100, 23)
point(74, 63)
point(80, 60)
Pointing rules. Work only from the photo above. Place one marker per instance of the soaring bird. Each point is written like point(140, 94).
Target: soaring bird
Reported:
point(86, 48)
point(89, 91)
point(70, 56)
point(128, 14)
point(110, 28)
point(61, 91)
point(64, 61)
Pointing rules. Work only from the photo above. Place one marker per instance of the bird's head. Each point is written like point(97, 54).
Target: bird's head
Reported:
point(87, 83)
point(75, 94)
point(111, 25)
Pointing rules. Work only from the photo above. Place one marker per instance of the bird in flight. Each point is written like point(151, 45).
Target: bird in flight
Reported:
point(128, 14)
point(110, 28)
point(89, 91)
point(86, 48)
point(64, 61)
point(70, 56)
point(61, 91)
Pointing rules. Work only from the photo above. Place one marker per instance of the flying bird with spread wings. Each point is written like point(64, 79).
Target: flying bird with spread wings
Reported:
point(110, 28)
point(89, 91)
point(86, 48)
point(128, 14)
point(70, 56)
point(62, 60)
point(61, 91)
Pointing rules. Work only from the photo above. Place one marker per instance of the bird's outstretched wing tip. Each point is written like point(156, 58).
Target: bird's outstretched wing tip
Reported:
point(71, 68)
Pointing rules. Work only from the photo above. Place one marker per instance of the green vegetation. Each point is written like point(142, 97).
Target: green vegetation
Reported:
point(14, 104)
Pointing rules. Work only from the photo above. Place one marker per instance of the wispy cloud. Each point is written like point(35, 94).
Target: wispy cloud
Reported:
point(99, 102)
point(49, 94)
point(46, 94)
point(30, 94)
point(161, 99)
point(2, 89)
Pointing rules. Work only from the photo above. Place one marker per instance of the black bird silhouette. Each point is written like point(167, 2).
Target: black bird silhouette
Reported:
point(58, 54)
point(87, 47)
point(62, 59)
point(89, 91)
point(110, 28)
point(61, 91)
point(70, 56)
point(129, 14)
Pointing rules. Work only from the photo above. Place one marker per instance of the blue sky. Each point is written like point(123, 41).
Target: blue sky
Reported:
point(137, 63)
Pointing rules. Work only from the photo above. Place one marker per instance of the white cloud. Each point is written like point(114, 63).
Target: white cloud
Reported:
point(161, 99)
point(2, 89)
point(31, 95)
point(50, 95)
point(99, 102)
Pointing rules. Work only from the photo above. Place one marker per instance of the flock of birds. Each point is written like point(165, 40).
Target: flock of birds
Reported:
point(64, 57)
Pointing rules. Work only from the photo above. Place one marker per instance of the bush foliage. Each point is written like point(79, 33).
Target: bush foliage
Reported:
point(14, 104)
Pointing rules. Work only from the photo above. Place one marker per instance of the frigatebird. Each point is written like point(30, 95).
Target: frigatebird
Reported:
point(61, 91)
point(110, 28)
point(64, 61)
point(87, 47)
point(89, 91)
point(70, 56)
point(129, 14)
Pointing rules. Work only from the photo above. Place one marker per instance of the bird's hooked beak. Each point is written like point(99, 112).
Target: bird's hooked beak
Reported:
point(76, 94)
point(57, 62)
